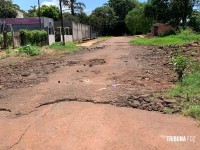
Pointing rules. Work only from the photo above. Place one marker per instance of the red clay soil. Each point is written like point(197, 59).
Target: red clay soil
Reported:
point(97, 98)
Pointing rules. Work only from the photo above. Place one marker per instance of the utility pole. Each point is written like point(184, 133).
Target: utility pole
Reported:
point(62, 26)
point(39, 14)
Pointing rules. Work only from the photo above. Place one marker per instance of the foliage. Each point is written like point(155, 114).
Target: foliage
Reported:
point(167, 33)
point(7, 9)
point(181, 10)
point(182, 38)
point(175, 12)
point(34, 37)
point(32, 12)
point(159, 10)
point(49, 12)
point(121, 9)
point(29, 50)
point(67, 47)
point(74, 6)
point(136, 22)
point(1, 40)
point(9, 36)
point(193, 111)
point(189, 92)
point(194, 22)
point(180, 64)
point(103, 18)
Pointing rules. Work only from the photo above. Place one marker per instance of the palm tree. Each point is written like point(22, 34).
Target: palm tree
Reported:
point(74, 6)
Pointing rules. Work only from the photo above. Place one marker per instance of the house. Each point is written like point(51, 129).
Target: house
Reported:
point(19, 14)
point(160, 28)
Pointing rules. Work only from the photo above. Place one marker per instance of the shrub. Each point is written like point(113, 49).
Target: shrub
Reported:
point(180, 64)
point(34, 37)
point(30, 50)
point(193, 111)
point(9, 34)
point(167, 33)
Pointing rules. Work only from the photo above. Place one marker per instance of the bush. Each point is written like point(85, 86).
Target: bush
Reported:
point(30, 50)
point(180, 64)
point(1, 40)
point(34, 37)
point(167, 33)
point(9, 34)
point(193, 111)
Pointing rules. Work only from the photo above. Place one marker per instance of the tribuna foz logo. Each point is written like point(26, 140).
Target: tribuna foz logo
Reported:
point(180, 138)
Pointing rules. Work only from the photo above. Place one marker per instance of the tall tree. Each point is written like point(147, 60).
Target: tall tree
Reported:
point(74, 6)
point(103, 19)
point(32, 12)
point(159, 10)
point(182, 10)
point(121, 9)
point(7, 9)
point(50, 12)
point(137, 22)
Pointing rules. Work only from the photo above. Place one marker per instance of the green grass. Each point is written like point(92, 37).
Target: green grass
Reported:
point(181, 38)
point(30, 50)
point(189, 91)
point(69, 47)
point(193, 111)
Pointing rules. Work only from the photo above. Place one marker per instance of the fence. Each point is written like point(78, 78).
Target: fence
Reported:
point(74, 31)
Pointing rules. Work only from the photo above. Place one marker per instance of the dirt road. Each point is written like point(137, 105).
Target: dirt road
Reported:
point(98, 98)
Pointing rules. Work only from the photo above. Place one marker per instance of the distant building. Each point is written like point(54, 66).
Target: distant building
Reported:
point(19, 14)
point(160, 28)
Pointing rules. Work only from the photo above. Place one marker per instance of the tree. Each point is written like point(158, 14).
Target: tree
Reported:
point(7, 9)
point(103, 19)
point(159, 10)
point(136, 21)
point(121, 9)
point(175, 12)
point(182, 10)
point(32, 12)
point(49, 11)
point(74, 6)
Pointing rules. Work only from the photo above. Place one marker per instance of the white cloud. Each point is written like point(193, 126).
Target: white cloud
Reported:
point(53, 2)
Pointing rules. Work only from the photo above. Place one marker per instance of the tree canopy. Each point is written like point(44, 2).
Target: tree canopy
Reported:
point(49, 11)
point(103, 18)
point(7, 9)
point(136, 21)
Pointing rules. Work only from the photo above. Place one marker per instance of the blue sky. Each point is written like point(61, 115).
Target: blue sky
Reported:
point(90, 4)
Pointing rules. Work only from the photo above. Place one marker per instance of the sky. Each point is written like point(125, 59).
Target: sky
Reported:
point(90, 4)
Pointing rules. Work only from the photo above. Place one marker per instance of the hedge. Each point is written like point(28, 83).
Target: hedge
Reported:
point(33, 37)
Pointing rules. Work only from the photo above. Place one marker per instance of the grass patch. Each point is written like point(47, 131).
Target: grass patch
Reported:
point(181, 38)
point(30, 50)
point(189, 92)
point(193, 111)
point(69, 47)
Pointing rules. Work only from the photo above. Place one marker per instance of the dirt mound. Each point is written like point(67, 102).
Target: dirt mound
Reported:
point(23, 74)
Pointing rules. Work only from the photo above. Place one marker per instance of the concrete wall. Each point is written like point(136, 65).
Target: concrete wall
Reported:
point(51, 39)
point(80, 31)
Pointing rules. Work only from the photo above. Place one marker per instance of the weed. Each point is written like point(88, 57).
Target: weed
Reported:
point(180, 64)
point(184, 37)
point(193, 111)
point(30, 50)
point(67, 47)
